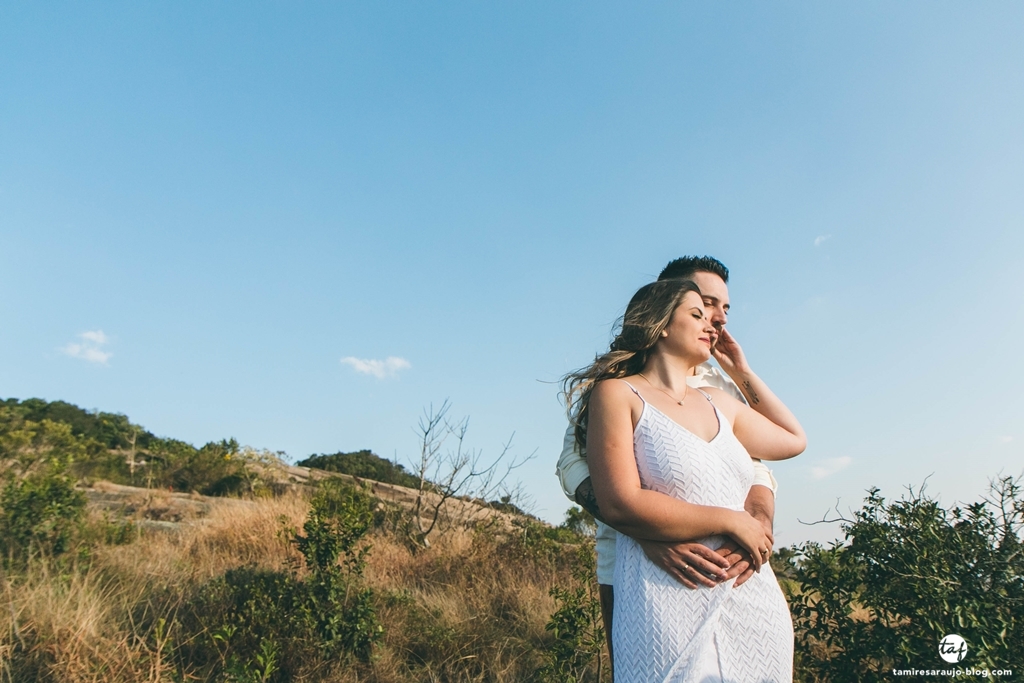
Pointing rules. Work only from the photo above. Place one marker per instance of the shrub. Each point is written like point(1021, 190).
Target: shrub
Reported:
point(340, 516)
point(576, 625)
point(254, 624)
point(236, 613)
point(39, 512)
point(909, 573)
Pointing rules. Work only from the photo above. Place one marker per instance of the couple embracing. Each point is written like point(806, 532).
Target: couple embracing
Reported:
point(665, 451)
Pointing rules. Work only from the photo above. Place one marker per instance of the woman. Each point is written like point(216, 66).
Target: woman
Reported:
point(673, 463)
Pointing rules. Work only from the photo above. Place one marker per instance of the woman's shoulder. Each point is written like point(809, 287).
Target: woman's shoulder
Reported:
point(619, 387)
point(725, 401)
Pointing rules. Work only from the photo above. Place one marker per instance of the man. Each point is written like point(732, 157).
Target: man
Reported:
point(692, 564)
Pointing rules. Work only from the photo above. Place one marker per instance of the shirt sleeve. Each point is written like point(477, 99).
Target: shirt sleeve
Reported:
point(572, 467)
point(764, 477)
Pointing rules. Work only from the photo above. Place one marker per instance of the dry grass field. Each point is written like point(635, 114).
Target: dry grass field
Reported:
point(472, 607)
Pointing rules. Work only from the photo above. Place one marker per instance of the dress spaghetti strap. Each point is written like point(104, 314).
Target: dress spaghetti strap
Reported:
point(635, 391)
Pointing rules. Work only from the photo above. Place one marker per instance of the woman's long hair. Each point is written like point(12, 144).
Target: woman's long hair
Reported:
point(648, 313)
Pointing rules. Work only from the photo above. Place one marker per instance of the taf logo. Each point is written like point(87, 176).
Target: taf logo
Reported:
point(952, 648)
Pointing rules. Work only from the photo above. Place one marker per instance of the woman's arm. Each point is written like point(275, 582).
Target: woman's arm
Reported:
point(646, 514)
point(765, 427)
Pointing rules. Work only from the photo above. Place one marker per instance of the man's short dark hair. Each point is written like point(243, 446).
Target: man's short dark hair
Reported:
point(686, 266)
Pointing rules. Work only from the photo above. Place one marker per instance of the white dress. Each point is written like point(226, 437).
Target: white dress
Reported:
point(663, 631)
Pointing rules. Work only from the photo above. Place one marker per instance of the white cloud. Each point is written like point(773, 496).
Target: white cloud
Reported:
point(95, 336)
point(90, 347)
point(389, 367)
point(830, 466)
point(819, 239)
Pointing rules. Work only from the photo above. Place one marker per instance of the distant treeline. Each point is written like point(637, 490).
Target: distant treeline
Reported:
point(365, 464)
point(98, 445)
point(108, 446)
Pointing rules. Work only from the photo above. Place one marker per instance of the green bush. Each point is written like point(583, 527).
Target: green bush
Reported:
point(340, 516)
point(579, 521)
point(237, 616)
point(258, 625)
point(39, 512)
point(576, 625)
point(909, 573)
point(108, 430)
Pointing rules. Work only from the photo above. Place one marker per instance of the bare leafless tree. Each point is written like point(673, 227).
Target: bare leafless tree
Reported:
point(455, 484)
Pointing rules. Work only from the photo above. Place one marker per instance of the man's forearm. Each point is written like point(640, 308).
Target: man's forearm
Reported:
point(586, 499)
point(760, 503)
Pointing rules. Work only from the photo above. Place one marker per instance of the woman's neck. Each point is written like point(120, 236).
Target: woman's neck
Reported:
point(669, 373)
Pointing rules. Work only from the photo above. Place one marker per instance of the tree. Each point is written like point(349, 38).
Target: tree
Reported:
point(448, 470)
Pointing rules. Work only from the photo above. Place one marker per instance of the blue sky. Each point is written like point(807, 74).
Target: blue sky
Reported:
point(238, 196)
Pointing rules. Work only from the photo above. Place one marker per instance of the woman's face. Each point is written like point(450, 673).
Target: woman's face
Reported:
point(689, 333)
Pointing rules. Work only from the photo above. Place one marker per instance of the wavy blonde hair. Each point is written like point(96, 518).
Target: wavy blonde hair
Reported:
point(649, 312)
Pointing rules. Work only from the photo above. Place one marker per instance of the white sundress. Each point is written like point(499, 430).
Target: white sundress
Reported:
point(663, 631)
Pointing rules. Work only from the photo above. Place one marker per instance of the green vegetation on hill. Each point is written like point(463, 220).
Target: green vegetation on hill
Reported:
point(363, 464)
point(108, 446)
point(98, 445)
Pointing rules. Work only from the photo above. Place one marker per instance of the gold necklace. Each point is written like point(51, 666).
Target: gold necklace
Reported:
point(677, 400)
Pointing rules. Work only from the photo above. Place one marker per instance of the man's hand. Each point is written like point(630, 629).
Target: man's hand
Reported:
point(740, 566)
point(760, 503)
point(691, 564)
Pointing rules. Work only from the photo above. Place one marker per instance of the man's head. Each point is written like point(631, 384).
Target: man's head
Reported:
point(711, 276)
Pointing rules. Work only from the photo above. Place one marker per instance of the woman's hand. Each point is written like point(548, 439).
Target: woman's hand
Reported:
point(728, 353)
point(752, 535)
point(688, 563)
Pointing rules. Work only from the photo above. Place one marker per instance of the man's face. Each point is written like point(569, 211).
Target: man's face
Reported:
point(716, 299)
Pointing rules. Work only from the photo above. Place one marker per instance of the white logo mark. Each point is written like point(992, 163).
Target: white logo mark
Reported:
point(952, 648)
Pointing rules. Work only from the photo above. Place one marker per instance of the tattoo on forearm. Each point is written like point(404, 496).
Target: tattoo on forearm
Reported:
point(754, 400)
point(587, 500)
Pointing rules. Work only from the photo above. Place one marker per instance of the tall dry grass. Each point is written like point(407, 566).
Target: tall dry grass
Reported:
point(104, 617)
point(470, 608)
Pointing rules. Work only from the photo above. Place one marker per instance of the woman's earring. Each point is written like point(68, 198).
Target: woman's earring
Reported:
point(664, 333)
